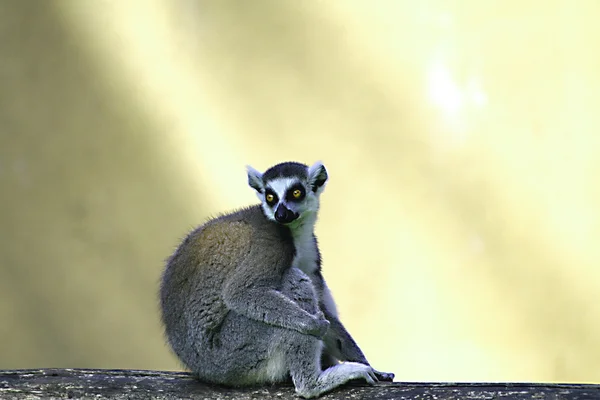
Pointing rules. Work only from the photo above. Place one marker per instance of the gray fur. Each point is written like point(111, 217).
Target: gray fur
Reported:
point(244, 302)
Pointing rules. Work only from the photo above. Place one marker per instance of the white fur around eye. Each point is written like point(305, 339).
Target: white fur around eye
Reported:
point(281, 185)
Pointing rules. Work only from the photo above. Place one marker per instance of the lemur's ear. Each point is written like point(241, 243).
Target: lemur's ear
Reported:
point(317, 176)
point(255, 179)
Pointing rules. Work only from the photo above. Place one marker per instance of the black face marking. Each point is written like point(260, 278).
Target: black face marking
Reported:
point(292, 193)
point(283, 215)
point(286, 170)
point(271, 197)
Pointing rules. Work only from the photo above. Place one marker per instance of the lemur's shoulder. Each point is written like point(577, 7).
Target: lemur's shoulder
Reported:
point(229, 239)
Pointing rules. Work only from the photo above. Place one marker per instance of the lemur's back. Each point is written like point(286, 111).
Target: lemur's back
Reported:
point(196, 273)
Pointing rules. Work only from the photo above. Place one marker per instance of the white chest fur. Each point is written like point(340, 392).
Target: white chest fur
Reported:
point(306, 261)
point(306, 252)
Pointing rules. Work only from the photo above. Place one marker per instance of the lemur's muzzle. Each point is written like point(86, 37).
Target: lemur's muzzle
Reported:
point(284, 215)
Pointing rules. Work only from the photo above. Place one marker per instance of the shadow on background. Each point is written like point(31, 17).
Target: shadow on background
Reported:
point(459, 223)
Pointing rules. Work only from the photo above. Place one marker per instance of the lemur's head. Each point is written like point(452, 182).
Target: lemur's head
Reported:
point(289, 191)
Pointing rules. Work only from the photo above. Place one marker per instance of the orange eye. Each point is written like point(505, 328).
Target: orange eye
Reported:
point(296, 193)
point(269, 197)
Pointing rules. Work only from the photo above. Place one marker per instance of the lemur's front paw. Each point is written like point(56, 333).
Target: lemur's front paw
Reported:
point(384, 376)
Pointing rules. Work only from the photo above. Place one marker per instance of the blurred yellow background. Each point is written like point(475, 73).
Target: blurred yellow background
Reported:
point(460, 224)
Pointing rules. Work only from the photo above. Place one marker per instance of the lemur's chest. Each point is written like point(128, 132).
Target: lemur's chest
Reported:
point(307, 254)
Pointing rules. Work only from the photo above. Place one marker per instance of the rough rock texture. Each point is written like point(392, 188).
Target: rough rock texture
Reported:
point(130, 384)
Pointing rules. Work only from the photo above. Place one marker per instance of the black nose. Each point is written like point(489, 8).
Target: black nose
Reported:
point(283, 215)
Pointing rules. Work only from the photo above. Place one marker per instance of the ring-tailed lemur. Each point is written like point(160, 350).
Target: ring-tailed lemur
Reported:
point(243, 299)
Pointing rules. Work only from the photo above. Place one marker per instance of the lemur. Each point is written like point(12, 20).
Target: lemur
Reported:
point(243, 299)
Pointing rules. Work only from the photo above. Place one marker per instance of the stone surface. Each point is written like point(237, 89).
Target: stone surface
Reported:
point(133, 384)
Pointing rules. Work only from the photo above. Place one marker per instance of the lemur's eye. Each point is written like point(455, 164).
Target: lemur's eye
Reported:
point(296, 193)
point(271, 197)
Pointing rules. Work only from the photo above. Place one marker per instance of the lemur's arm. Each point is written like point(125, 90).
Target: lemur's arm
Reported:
point(250, 292)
